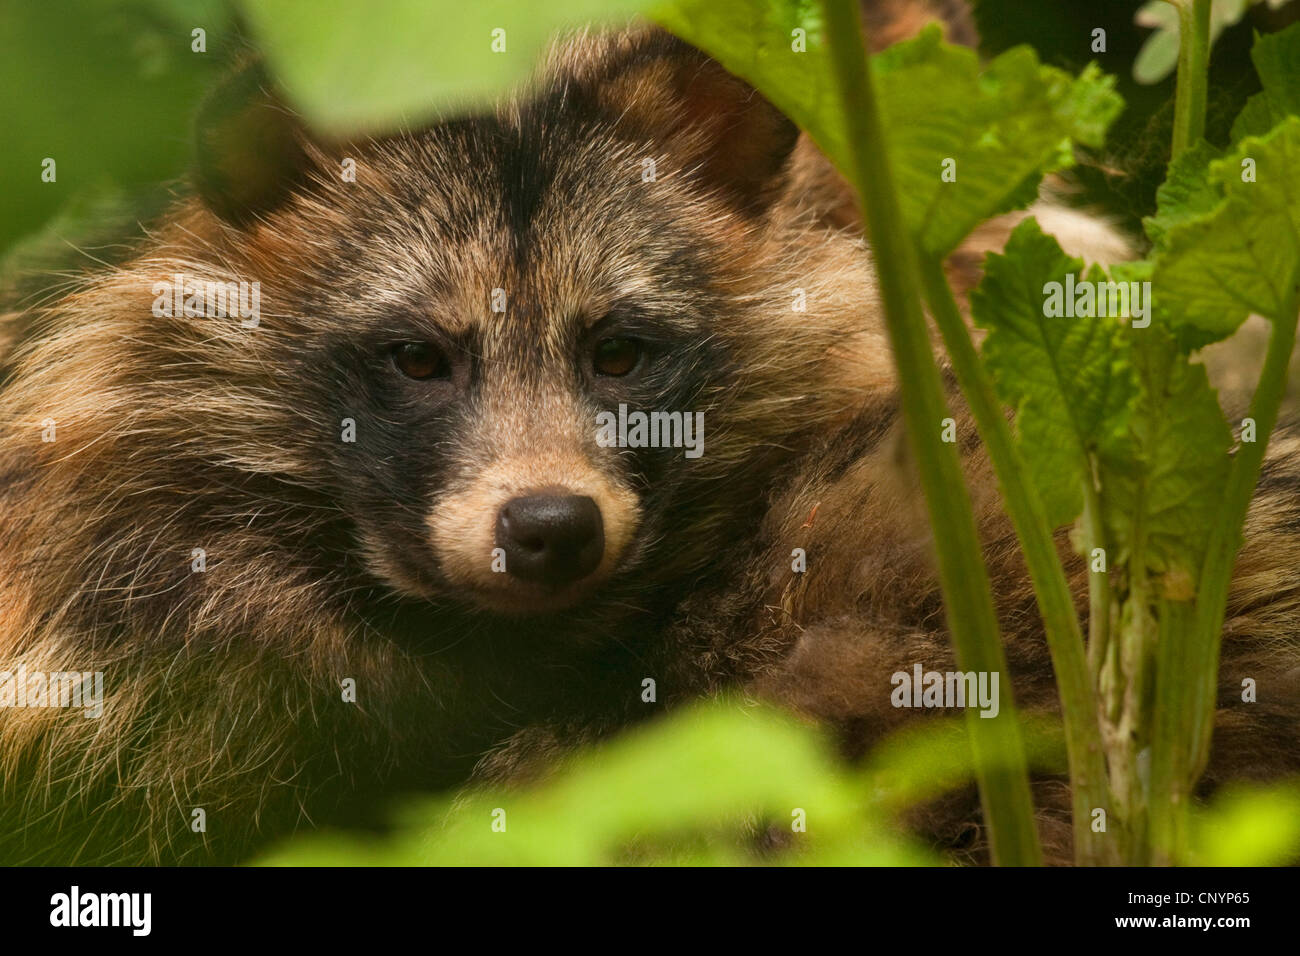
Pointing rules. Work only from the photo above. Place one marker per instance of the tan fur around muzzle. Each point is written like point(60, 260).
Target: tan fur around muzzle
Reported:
point(462, 526)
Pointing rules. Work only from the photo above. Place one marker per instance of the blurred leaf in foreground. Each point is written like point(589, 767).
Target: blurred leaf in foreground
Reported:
point(722, 783)
point(106, 92)
point(1249, 826)
point(351, 68)
point(707, 786)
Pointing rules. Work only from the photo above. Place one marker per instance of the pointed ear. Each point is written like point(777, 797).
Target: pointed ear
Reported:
point(250, 149)
point(716, 127)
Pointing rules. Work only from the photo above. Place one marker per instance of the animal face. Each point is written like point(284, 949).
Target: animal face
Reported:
point(462, 319)
point(522, 282)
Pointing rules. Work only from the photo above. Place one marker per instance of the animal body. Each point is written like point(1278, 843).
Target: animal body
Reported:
point(370, 538)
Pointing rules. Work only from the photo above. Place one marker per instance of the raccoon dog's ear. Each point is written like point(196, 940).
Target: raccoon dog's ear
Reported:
point(713, 125)
point(250, 150)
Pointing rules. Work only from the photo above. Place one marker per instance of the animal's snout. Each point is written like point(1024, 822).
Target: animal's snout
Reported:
point(551, 539)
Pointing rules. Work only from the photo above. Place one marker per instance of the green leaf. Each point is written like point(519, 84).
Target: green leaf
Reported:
point(1249, 825)
point(1277, 61)
point(352, 67)
point(1186, 192)
point(1243, 256)
point(1066, 377)
point(919, 763)
point(1164, 478)
point(1159, 54)
point(107, 91)
point(1003, 125)
point(696, 788)
point(1256, 118)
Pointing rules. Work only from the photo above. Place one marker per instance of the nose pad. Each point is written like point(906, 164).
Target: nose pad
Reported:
point(551, 539)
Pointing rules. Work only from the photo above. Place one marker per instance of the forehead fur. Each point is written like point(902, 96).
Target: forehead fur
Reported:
point(545, 199)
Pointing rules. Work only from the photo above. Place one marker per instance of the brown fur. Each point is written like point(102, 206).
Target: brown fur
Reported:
point(327, 562)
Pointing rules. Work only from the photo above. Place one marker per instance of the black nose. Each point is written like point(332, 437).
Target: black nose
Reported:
point(551, 539)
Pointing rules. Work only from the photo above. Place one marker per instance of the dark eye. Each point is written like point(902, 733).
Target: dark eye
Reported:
point(421, 360)
point(616, 356)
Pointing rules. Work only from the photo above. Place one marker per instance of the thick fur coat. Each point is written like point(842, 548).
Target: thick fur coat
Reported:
point(133, 441)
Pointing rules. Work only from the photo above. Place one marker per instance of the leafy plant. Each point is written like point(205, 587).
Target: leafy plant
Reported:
point(108, 98)
point(1159, 54)
point(1131, 441)
point(1134, 423)
point(708, 786)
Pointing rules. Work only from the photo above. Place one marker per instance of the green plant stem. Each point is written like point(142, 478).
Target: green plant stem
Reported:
point(1193, 72)
point(1187, 638)
point(1226, 535)
point(968, 601)
point(1055, 602)
point(1099, 595)
point(1171, 783)
point(1131, 730)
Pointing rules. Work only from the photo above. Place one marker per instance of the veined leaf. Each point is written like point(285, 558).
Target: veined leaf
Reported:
point(1164, 478)
point(779, 47)
point(1277, 61)
point(1066, 376)
point(1243, 256)
point(1002, 125)
point(1186, 192)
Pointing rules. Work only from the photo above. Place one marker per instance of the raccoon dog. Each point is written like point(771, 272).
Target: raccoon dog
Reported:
point(342, 539)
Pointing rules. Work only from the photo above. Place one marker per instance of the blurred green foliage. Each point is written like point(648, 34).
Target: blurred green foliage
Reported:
point(723, 783)
point(1248, 826)
point(352, 71)
point(107, 92)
